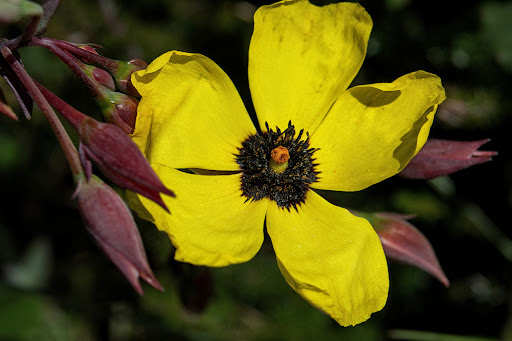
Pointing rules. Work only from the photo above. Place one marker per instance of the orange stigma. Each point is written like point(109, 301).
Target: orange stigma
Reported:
point(280, 155)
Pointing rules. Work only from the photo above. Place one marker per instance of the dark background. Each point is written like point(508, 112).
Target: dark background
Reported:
point(57, 285)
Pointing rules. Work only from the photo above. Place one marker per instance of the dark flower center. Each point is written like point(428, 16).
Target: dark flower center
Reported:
point(277, 165)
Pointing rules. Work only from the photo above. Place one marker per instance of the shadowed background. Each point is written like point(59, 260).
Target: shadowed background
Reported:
point(56, 284)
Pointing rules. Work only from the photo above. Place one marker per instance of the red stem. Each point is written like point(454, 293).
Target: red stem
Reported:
point(72, 115)
point(71, 61)
point(86, 56)
point(29, 31)
point(62, 136)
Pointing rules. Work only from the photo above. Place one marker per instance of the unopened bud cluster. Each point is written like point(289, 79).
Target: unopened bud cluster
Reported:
point(112, 88)
point(105, 144)
point(108, 146)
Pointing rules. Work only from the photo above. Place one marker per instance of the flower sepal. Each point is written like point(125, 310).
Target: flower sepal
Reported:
point(111, 224)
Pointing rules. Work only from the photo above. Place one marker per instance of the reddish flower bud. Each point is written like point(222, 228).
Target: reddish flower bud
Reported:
point(116, 107)
point(115, 153)
point(403, 242)
point(443, 157)
point(103, 77)
point(98, 74)
point(5, 108)
point(111, 224)
point(119, 109)
point(119, 159)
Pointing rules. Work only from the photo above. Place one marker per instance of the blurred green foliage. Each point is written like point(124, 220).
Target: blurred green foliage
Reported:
point(56, 285)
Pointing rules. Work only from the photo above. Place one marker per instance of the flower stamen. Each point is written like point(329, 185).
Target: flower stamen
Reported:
point(277, 165)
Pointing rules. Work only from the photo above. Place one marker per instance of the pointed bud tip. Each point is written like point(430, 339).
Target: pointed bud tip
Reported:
point(148, 278)
point(7, 111)
point(111, 224)
point(403, 242)
point(120, 160)
point(444, 157)
point(151, 280)
point(88, 48)
point(155, 197)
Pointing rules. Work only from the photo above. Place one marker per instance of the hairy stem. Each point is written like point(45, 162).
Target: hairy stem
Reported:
point(71, 61)
point(86, 56)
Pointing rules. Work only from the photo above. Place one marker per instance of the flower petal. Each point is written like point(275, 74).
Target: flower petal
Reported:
point(190, 114)
point(209, 224)
point(373, 131)
point(331, 258)
point(302, 57)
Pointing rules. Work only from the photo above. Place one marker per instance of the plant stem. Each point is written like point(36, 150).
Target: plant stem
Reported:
point(88, 57)
point(30, 30)
point(62, 136)
point(72, 115)
point(71, 61)
point(49, 8)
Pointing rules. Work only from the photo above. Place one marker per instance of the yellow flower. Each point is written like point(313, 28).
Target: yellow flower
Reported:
point(302, 58)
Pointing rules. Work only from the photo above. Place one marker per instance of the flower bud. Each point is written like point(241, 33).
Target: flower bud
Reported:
point(101, 76)
point(111, 224)
point(116, 107)
point(119, 159)
point(115, 153)
point(443, 157)
point(120, 70)
point(119, 109)
point(403, 242)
